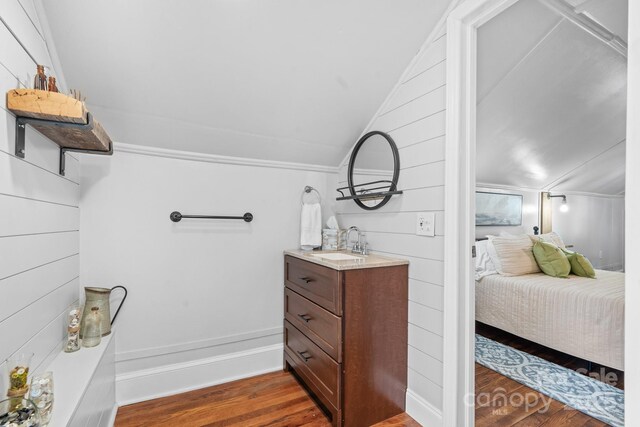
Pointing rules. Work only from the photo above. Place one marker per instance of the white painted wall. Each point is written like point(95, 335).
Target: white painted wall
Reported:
point(530, 212)
point(414, 116)
point(632, 242)
point(595, 226)
point(199, 290)
point(39, 243)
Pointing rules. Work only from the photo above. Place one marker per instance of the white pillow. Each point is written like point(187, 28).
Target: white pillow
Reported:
point(552, 237)
point(481, 248)
point(484, 265)
point(513, 256)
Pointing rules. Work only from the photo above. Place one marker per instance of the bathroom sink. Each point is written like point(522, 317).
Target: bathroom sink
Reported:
point(336, 256)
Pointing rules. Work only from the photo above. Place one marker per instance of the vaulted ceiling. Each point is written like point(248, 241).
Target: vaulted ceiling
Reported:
point(288, 80)
point(552, 99)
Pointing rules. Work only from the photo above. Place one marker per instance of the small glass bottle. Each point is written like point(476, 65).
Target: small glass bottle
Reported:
point(41, 394)
point(91, 329)
point(40, 79)
point(73, 329)
point(52, 85)
point(18, 371)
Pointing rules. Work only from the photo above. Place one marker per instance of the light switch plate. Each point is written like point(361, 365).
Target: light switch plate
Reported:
point(426, 224)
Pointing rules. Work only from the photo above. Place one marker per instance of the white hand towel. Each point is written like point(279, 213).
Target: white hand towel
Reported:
point(311, 226)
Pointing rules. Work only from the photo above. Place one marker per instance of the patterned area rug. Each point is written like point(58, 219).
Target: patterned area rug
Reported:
point(587, 395)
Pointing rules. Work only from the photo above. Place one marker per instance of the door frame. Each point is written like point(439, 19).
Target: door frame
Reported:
point(459, 294)
point(460, 181)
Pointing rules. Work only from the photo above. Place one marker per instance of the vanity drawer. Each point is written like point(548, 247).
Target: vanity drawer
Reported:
point(321, 326)
point(319, 284)
point(315, 365)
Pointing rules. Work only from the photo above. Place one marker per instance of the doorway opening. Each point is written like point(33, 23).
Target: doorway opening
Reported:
point(537, 125)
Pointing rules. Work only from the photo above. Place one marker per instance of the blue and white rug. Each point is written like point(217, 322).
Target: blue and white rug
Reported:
point(587, 395)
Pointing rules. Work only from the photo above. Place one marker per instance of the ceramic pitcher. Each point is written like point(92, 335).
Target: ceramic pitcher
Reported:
point(99, 297)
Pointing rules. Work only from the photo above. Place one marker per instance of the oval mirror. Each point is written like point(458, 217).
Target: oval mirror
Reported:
point(374, 168)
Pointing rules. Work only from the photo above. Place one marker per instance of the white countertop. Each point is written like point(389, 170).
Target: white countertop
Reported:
point(362, 261)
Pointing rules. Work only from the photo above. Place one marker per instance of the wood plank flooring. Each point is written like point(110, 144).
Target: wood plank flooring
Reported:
point(500, 401)
point(275, 399)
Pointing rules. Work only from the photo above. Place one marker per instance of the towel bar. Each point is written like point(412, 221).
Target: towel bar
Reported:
point(177, 216)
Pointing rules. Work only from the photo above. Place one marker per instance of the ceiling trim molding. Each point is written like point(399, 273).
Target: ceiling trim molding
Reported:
point(588, 194)
point(212, 158)
point(506, 187)
point(488, 186)
point(588, 24)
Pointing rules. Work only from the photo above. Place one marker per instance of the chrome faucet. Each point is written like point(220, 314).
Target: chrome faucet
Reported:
point(358, 247)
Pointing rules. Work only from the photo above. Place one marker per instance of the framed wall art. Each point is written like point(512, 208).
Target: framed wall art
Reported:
point(498, 209)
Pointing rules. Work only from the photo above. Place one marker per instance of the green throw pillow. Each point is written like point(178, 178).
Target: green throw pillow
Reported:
point(551, 260)
point(580, 265)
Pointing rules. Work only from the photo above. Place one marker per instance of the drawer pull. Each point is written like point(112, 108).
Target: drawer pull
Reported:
point(306, 279)
point(305, 317)
point(302, 354)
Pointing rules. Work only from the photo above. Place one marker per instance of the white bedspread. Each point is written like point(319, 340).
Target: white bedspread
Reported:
point(579, 316)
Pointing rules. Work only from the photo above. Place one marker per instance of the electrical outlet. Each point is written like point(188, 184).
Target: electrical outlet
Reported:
point(426, 224)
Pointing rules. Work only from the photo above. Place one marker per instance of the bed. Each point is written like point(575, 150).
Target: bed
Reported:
point(580, 316)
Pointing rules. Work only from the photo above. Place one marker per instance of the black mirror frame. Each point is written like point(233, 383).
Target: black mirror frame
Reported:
point(396, 168)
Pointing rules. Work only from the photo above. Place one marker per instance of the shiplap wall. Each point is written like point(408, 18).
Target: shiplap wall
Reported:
point(414, 116)
point(39, 240)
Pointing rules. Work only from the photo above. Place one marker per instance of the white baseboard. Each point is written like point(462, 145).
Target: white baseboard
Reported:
point(200, 344)
point(422, 411)
point(147, 384)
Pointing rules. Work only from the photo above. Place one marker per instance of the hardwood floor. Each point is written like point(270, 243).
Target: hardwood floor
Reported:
point(275, 399)
point(500, 401)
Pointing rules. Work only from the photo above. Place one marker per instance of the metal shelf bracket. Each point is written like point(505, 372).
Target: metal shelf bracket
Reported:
point(22, 121)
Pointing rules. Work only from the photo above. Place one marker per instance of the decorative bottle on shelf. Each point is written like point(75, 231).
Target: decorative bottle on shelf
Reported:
point(91, 328)
point(52, 85)
point(40, 79)
point(73, 329)
point(41, 394)
point(18, 371)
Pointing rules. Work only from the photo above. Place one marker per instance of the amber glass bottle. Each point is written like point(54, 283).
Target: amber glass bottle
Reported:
point(40, 79)
point(52, 85)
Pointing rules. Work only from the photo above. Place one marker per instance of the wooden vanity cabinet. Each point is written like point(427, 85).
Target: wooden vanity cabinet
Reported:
point(345, 338)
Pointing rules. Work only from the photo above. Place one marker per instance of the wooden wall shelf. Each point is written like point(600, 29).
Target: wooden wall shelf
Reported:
point(61, 118)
